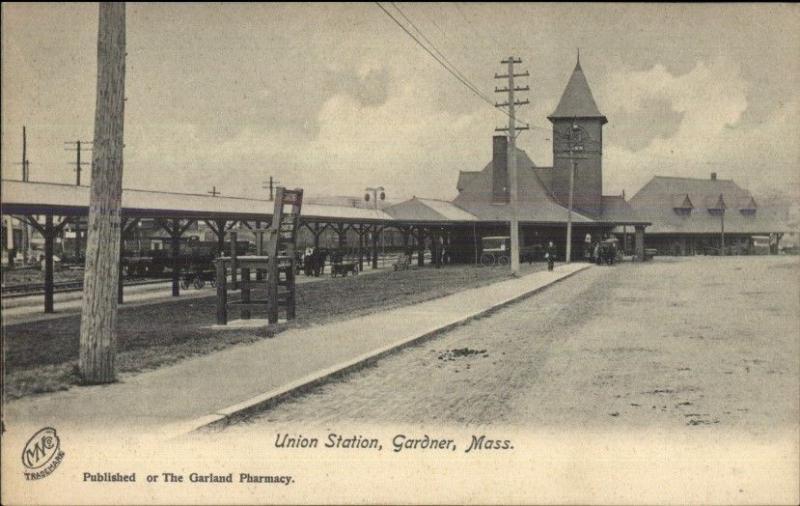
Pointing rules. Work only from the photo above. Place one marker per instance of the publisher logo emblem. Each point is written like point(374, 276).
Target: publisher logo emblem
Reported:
point(42, 454)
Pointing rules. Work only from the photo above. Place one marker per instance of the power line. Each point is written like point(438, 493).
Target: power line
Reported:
point(453, 72)
point(449, 65)
point(455, 69)
point(444, 65)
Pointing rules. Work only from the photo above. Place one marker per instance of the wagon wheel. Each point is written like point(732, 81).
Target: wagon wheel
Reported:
point(487, 260)
point(213, 283)
point(503, 261)
point(184, 283)
point(199, 283)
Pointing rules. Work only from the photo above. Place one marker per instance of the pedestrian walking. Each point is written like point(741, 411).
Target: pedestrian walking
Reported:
point(550, 255)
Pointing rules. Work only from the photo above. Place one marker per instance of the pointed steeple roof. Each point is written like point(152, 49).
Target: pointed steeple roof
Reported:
point(577, 100)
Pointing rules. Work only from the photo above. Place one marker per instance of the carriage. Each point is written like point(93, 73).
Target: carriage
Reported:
point(608, 252)
point(339, 266)
point(497, 251)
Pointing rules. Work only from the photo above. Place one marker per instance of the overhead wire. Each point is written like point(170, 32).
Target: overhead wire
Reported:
point(452, 66)
point(520, 119)
point(447, 66)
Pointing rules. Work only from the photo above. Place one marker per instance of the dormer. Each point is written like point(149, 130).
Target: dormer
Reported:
point(682, 204)
point(748, 207)
point(717, 206)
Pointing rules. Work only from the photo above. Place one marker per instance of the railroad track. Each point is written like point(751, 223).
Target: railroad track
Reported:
point(30, 289)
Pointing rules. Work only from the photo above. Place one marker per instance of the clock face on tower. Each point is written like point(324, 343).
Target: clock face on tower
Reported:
point(575, 138)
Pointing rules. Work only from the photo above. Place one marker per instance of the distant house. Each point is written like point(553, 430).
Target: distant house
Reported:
point(691, 216)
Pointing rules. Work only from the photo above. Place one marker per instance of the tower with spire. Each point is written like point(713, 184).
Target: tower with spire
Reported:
point(577, 107)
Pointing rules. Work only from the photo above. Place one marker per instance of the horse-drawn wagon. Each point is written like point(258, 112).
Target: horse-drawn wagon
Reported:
point(497, 251)
point(341, 266)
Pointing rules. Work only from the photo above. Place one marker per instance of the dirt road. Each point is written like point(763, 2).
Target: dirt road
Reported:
point(687, 343)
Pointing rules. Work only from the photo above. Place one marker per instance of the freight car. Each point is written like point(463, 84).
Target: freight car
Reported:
point(194, 256)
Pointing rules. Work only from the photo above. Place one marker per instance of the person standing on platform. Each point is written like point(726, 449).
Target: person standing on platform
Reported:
point(550, 255)
point(587, 248)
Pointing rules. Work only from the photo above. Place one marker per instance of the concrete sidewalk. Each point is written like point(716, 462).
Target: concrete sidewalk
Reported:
point(203, 390)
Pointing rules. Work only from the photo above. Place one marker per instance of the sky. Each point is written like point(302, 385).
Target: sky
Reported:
point(335, 98)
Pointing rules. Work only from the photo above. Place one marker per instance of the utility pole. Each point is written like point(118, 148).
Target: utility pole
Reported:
point(214, 192)
point(101, 278)
point(78, 163)
point(26, 169)
point(722, 225)
point(272, 184)
point(573, 144)
point(573, 165)
point(25, 162)
point(375, 197)
point(78, 166)
point(573, 140)
point(512, 151)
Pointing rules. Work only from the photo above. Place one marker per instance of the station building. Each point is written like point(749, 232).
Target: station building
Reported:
point(482, 206)
point(691, 216)
point(682, 216)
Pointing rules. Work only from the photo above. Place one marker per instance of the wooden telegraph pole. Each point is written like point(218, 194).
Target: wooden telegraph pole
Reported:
point(512, 130)
point(272, 185)
point(78, 167)
point(26, 230)
point(101, 279)
point(574, 143)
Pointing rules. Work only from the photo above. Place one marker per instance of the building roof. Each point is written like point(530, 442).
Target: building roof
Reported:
point(716, 203)
point(617, 210)
point(536, 205)
point(431, 210)
point(37, 198)
point(545, 175)
point(464, 177)
point(577, 100)
point(682, 201)
point(656, 202)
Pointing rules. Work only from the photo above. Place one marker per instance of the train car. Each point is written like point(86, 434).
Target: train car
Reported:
point(194, 255)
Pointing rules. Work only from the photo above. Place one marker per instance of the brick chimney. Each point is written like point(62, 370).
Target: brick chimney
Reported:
point(713, 176)
point(500, 192)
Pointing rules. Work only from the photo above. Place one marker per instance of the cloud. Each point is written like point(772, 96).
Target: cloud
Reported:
point(404, 142)
point(407, 144)
point(710, 100)
point(370, 86)
point(374, 129)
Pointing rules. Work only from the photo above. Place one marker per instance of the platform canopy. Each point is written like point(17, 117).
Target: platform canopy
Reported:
point(69, 200)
